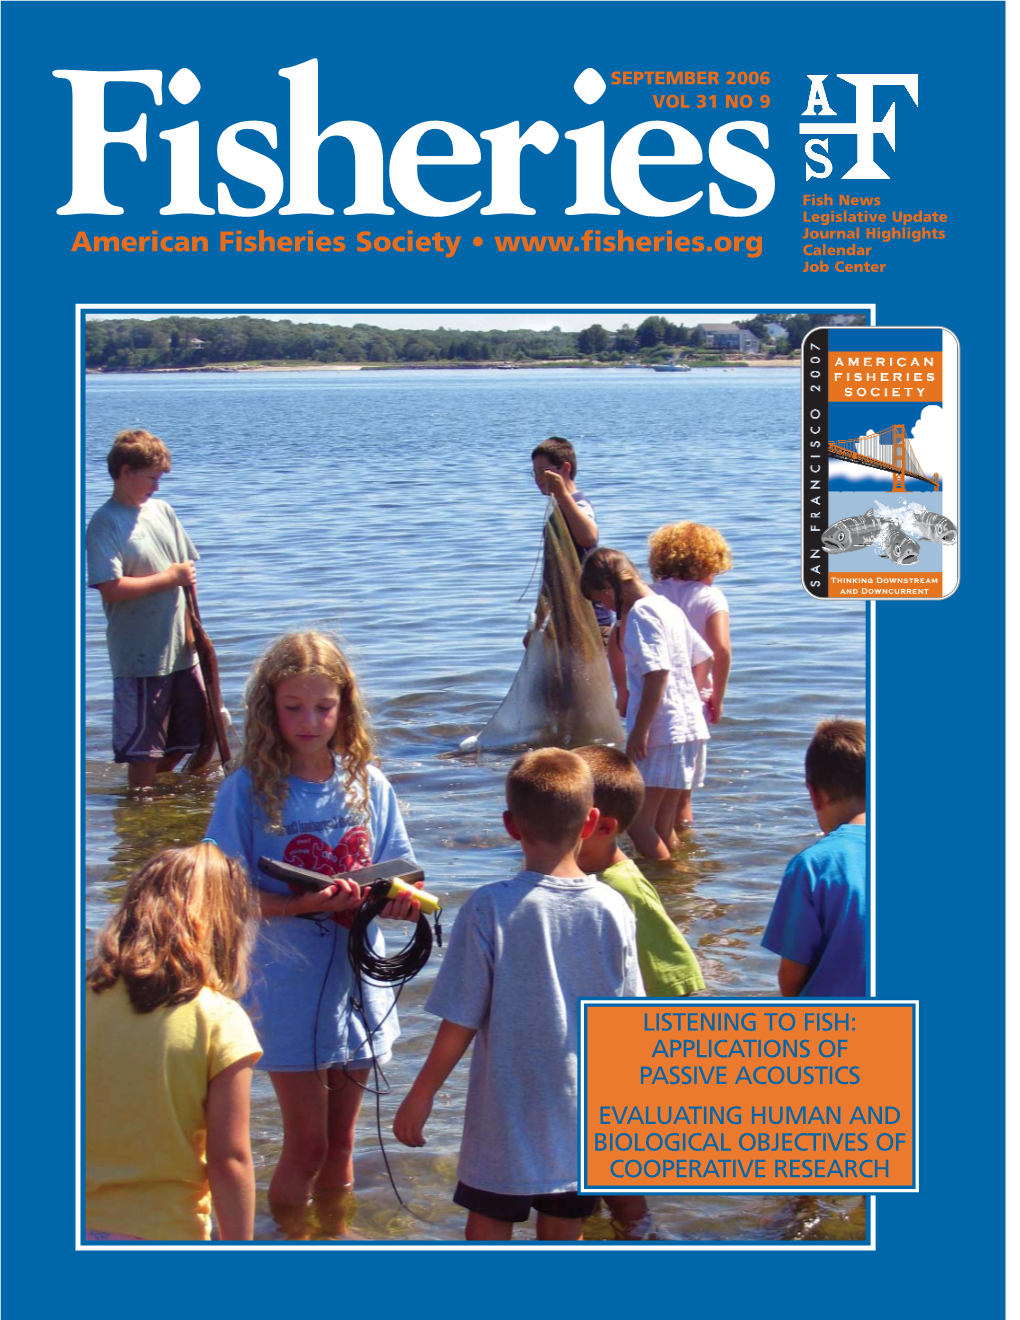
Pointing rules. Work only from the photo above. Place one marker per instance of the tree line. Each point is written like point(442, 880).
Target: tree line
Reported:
point(129, 344)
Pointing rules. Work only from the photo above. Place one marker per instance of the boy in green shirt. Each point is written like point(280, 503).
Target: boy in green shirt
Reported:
point(668, 967)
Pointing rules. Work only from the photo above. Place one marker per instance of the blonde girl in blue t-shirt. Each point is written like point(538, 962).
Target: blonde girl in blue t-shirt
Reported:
point(307, 793)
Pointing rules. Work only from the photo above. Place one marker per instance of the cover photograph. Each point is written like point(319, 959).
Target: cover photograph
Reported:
point(523, 477)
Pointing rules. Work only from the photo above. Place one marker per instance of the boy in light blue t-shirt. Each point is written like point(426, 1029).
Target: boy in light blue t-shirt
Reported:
point(522, 952)
point(819, 920)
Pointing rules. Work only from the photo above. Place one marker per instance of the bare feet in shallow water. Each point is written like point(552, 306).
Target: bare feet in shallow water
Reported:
point(334, 1210)
point(325, 1217)
point(680, 832)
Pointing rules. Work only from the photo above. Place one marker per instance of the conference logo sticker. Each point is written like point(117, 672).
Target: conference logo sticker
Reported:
point(880, 479)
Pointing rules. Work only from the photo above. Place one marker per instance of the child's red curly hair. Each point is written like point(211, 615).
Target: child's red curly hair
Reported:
point(688, 551)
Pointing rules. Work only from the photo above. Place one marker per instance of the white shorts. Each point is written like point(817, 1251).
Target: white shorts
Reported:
point(675, 765)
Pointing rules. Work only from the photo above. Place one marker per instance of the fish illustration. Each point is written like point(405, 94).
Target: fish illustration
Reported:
point(898, 546)
point(931, 526)
point(852, 533)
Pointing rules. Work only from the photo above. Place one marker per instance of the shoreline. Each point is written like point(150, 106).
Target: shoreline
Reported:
point(235, 368)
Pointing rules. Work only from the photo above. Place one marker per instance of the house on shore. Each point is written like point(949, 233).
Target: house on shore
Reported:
point(730, 338)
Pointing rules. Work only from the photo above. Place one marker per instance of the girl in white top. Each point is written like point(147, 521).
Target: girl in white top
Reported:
point(685, 558)
point(666, 665)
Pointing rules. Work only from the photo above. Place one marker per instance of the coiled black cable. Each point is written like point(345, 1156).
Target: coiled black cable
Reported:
point(402, 966)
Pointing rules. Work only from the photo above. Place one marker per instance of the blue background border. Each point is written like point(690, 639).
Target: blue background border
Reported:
point(481, 66)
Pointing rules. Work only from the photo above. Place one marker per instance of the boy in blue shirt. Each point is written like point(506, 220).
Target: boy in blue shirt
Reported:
point(522, 952)
point(819, 920)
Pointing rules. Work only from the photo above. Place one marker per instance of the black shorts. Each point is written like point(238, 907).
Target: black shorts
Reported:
point(516, 1209)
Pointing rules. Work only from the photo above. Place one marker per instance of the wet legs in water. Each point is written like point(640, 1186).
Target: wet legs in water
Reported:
point(684, 819)
point(318, 1134)
point(142, 774)
point(629, 1215)
point(652, 829)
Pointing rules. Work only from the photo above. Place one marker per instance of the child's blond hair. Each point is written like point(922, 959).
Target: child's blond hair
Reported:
point(266, 756)
point(688, 551)
point(186, 921)
point(549, 794)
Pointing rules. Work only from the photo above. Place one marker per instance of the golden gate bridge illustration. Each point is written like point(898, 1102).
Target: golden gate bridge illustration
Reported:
point(889, 450)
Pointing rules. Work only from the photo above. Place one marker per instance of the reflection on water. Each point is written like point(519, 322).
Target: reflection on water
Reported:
point(398, 508)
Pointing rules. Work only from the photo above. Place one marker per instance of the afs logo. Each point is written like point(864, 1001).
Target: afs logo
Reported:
point(864, 127)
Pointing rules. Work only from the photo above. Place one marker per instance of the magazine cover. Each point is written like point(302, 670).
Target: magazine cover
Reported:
point(522, 479)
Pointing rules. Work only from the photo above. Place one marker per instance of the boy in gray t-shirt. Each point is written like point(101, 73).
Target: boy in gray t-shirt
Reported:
point(522, 952)
point(139, 557)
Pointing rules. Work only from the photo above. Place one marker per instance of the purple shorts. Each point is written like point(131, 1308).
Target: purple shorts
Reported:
point(156, 717)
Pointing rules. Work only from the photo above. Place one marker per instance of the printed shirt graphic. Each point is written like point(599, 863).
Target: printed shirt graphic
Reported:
point(295, 959)
point(313, 854)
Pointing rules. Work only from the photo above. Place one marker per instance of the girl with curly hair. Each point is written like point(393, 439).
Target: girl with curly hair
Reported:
point(307, 793)
point(169, 1056)
point(685, 559)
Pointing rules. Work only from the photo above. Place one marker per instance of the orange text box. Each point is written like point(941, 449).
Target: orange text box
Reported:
point(894, 586)
point(752, 1095)
point(885, 375)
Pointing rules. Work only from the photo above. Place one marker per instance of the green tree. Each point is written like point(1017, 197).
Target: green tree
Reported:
point(652, 331)
point(592, 340)
point(796, 328)
point(626, 339)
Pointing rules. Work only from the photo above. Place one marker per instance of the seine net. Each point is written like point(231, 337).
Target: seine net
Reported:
point(563, 694)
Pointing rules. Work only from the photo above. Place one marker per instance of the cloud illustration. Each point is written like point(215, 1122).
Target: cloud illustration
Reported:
point(932, 438)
